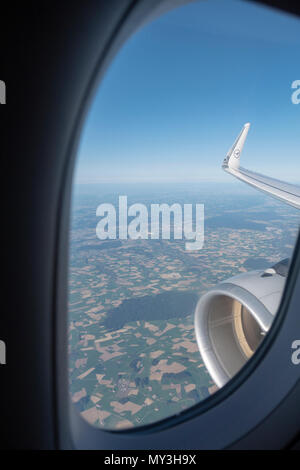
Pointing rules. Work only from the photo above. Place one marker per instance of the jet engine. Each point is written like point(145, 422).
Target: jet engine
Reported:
point(232, 318)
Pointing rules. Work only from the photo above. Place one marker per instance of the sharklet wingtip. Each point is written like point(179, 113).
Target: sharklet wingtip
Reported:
point(232, 159)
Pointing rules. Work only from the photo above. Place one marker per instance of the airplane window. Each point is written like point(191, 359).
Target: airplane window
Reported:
point(179, 251)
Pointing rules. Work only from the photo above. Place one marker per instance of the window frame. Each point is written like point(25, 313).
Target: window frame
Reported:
point(197, 427)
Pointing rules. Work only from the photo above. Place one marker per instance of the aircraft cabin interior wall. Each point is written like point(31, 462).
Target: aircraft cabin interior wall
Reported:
point(151, 283)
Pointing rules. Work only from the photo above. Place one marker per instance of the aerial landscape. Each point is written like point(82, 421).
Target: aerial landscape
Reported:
point(157, 132)
point(133, 356)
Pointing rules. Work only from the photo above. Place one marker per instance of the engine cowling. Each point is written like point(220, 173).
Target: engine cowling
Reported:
point(232, 318)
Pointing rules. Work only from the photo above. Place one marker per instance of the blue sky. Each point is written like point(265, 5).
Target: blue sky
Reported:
point(179, 91)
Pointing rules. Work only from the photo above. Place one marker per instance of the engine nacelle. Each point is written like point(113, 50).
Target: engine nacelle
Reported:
point(232, 318)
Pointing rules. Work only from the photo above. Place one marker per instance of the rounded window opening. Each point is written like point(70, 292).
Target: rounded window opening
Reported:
point(177, 267)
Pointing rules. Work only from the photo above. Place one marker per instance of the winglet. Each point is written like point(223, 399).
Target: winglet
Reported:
point(288, 193)
point(232, 159)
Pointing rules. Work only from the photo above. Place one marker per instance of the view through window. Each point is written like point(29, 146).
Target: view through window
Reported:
point(156, 223)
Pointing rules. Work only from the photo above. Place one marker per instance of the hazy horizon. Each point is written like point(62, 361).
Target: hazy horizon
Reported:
point(179, 91)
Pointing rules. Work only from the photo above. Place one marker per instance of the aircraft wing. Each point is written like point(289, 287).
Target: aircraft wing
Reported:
point(288, 193)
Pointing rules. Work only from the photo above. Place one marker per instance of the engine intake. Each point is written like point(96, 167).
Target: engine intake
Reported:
point(232, 319)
